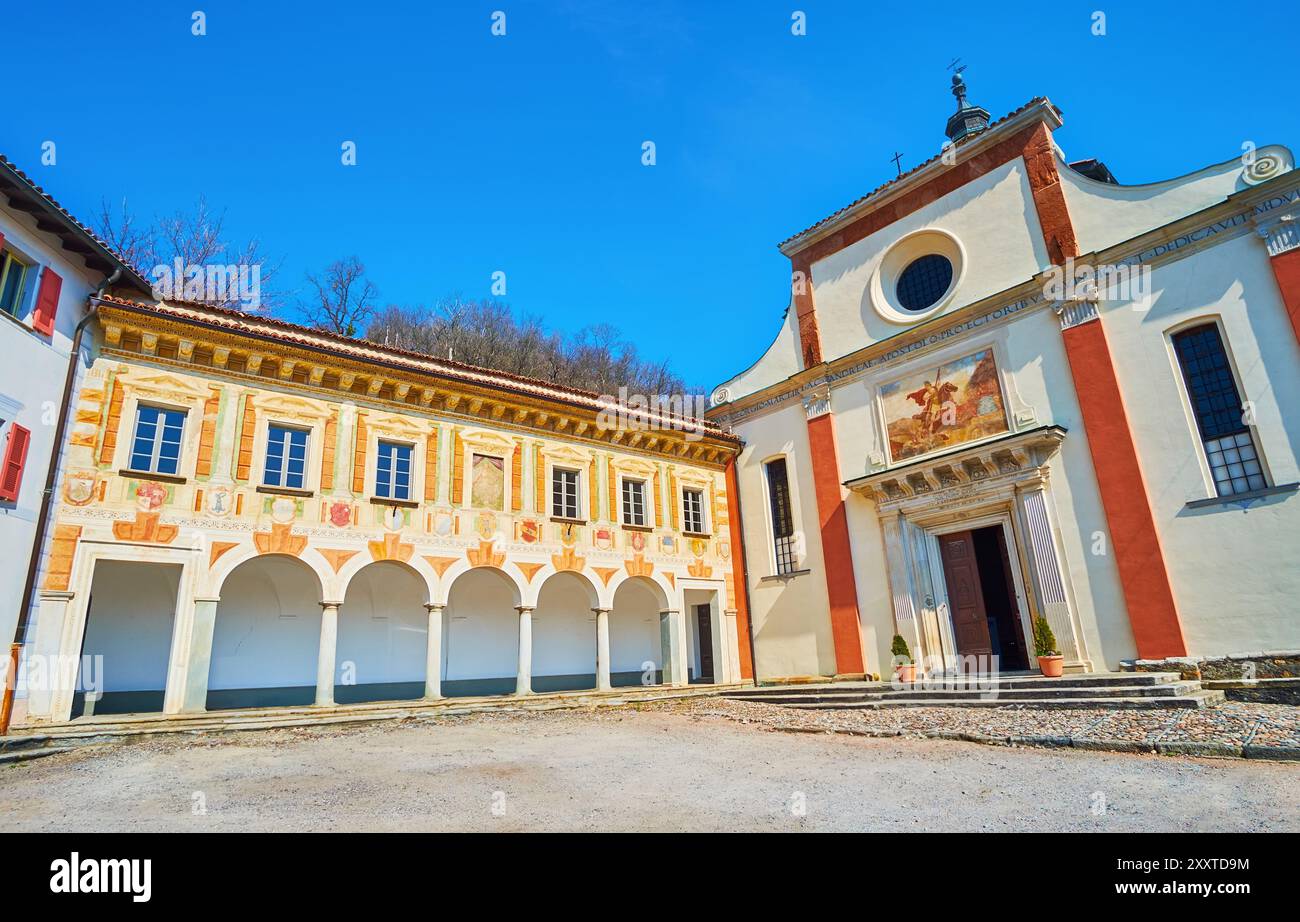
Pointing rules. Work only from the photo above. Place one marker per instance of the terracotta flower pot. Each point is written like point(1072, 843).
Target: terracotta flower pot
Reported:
point(906, 674)
point(1052, 666)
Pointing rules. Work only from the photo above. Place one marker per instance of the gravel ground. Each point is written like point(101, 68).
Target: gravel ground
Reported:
point(1232, 725)
point(699, 765)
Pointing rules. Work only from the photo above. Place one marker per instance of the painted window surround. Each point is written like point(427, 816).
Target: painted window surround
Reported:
point(481, 442)
point(569, 458)
point(389, 427)
point(698, 482)
point(304, 417)
point(626, 469)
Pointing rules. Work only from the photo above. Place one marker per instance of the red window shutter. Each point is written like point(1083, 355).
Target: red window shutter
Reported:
point(47, 302)
point(11, 476)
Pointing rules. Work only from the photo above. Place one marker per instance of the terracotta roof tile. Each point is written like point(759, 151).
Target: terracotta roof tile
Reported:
point(365, 350)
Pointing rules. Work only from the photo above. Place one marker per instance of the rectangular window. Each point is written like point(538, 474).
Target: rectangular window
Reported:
point(13, 279)
point(1220, 417)
point(634, 503)
point(393, 471)
point(778, 492)
point(693, 511)
point(157, 445)
point(564, 493)
point(286, 457)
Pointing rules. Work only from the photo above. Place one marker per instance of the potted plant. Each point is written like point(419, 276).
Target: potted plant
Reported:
point(1050, 661)
point(904, 668)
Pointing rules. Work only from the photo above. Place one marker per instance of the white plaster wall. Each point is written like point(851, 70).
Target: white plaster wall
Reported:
point(791, 617)
point(994, 262)
point(267, 631)
point(634, 636)
point(564, 628)
point(383, 625)
point(1104, 214)
point(31, 377)
point(132, 615)
point(481, 627)
point(1234, 572)
point(780, 361)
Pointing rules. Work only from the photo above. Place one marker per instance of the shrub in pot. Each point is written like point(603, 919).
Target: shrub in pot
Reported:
point(904, 668)
point(1050, 661)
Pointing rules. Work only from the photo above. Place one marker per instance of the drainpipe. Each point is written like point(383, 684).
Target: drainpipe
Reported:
point(47, 498)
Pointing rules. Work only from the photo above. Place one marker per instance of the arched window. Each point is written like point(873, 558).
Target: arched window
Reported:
point(1220, 416)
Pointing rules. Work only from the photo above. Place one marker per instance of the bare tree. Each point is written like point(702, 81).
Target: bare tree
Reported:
point(344, 298)
point(196, 238)
point(487, 333)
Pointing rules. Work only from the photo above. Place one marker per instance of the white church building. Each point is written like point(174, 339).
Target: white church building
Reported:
point(1009, 386)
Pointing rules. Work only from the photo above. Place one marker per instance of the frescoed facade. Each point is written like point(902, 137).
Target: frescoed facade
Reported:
point(955, 433)
point(256, 514)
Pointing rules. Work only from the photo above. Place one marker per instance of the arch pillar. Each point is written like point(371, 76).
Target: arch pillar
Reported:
point(198, 656)
point(672, 633)
point(602, 650)
point(433, 654)
point(524, 674)
point(329, 640)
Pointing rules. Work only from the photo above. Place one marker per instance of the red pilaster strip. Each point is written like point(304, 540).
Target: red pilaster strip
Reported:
point(1286, 267)
point(810, 340)
point(1152, 612)
point(739, 574)
point(841, 587)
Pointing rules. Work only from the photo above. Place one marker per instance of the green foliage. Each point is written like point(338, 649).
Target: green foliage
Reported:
point(900, 648)
point(1044, 639)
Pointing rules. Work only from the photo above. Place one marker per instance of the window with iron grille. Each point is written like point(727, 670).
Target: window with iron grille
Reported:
point(564, 493)
point(1216, 403)
point(286, 457)
point(693, 511)
point(634, 503)
point(778, 492)
point(156, 447)
point(393, 471)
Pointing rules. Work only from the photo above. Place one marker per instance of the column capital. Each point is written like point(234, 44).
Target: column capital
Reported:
point(601, 611)
point(435, 606)
point(525, 608)
point(330, 604)
point(1280, 232)
point(56, 595)
point(669, 611)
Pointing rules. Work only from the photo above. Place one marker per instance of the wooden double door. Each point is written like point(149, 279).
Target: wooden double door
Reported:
point(986, 618)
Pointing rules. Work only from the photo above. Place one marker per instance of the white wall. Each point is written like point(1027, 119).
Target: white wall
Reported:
point(267, 632)
point(132, 614)
point(384, 626)
point(564, 629)
point(481, 628)
point(791, 619)
point(31, 388)
point(1234, 571)
point(634, 635)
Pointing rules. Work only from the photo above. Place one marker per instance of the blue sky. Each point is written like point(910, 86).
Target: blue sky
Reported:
point(522, 153)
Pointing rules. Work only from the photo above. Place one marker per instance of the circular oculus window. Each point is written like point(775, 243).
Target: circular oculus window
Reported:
point(917, 276)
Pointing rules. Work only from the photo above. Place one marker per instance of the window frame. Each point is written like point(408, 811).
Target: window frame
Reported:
point(782, 548)
point(155, 454)
point(393, 471)
point(647, 522)
point(705, 525)
point(304, 486)
point(1190, 407)
point(562, 513)
point(8, 259)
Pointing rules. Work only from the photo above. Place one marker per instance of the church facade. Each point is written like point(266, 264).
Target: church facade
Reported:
point(1009, 387)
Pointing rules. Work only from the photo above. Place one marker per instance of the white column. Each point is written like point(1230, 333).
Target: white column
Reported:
point(433, 655)
point(194, 695)
point(1053, 599)
point(329, 638)
point(524, 674)
point(602, 649)
point(672, 634)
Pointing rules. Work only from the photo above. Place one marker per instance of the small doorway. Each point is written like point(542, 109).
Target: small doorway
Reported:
point(986, 618)
point(703, 619)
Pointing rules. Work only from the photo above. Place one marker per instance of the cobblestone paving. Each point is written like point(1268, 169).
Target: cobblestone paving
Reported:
point(1231, 729)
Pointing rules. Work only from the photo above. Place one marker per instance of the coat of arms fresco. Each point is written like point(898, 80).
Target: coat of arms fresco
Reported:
point(958, 402)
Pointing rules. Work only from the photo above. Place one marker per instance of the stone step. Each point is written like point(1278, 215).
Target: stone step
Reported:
point(1096, 680)
point(921, 693)
point(1195, 700)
